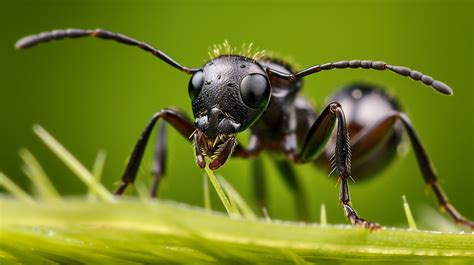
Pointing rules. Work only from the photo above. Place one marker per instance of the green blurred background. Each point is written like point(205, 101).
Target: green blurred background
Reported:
point(94, 94)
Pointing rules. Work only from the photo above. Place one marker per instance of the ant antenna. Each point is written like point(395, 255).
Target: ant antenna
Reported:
point(366, 64)
point(32, 40)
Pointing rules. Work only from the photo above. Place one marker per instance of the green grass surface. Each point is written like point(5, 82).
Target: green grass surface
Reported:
point(164, 232)
point(100, 229)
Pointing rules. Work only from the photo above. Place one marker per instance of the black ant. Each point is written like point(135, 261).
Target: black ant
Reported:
point(232, 93)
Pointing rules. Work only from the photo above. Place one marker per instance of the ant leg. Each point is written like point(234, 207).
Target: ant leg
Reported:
point(259, 184)
point(159, 162)
point(317, 138)
point(254, 148)
point(176, 119)
point(258, 173)
point(376, 134)
point(291, 179)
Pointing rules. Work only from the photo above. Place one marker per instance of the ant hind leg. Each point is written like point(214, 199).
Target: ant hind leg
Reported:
point(378, 132)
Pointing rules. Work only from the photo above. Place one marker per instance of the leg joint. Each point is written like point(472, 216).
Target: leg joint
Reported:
point(335, 107)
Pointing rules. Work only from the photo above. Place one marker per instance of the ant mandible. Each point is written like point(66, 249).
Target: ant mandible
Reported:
point(232, 93)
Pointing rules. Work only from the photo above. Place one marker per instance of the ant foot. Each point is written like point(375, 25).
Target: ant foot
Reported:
point(357, 221)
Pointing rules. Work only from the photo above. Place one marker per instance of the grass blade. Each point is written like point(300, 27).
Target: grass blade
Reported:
point(266, 215)
point(207, 196)
point(16, 191)
point(410, 219)
point(222, 196)
point(73, 164)
point(97, 169)
point(240, 202)
point(322, 216)
point(38, 177)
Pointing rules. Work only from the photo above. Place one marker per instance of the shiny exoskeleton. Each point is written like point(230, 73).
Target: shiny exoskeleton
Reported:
point(356, 135)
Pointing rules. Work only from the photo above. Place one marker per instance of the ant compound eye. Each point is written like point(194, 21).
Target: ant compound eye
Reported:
point(255, 90)
point(195, 85)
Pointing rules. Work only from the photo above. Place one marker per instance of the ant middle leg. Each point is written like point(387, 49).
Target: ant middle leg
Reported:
point(179, 122)
point(291, 179)
point(259, 185)
point(257, 170)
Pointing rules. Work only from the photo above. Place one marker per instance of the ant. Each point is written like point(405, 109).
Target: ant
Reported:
point(232, 93)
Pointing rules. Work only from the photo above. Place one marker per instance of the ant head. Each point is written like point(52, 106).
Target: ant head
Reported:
point(228, 94)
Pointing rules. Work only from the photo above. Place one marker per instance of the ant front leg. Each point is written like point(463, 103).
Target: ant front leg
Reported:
point(376, 134)
point(317, 139)
point(180, 123)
